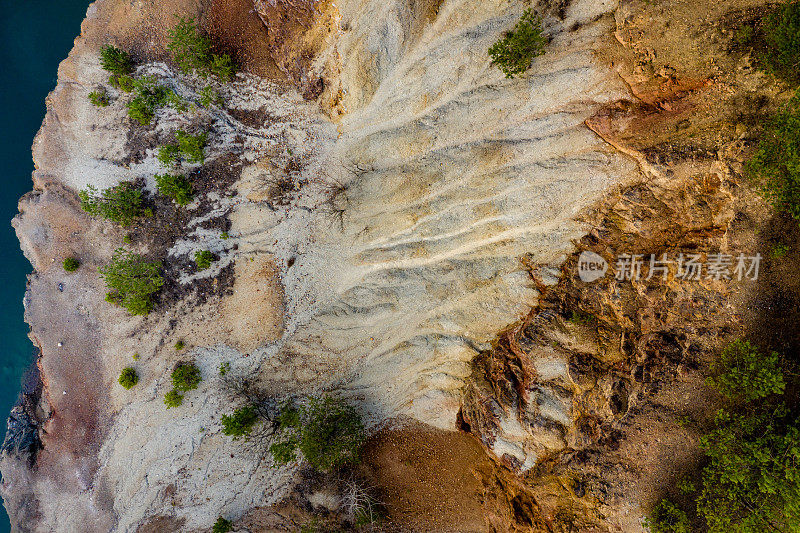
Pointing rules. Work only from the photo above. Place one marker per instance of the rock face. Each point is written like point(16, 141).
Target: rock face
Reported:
point(372, 241)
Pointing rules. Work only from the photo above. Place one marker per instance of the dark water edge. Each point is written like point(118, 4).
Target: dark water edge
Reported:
point(35, 35)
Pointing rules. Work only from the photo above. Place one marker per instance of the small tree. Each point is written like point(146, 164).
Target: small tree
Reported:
point(203, 259)
point(120, 204)
point(173, 399)
point(240, 423)
point(222, 526)
point(128, 378)
point(782, 34)
point(192, 146)
point(123, 82)
point(99, 98)
point(132, 281)
point(745, 374)
point(150, 96)
point(71, 264)
point(176, 187)
point(668, 518)
point(191, 51)
point(514, 52)
point(115, 61)
point(186, 377)
point(169, 155)
point(327, 431)
point(776, 164)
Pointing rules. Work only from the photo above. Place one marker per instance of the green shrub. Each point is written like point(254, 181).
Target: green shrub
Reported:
point(328, 432)
point(132, 281)
point(180, 345)
point(222, 67)
point(123, 82)
point(192, 146)
point(99, 98)
point(514, 52)
point(752, 483)
point(667, 518)
point(115, 61)
point(128, 378)
point(782, 33)
point(127, 239)
point(176, 187)
point(209, 96)
point(120, 204)
point(775, 167)
point(779, 251)
point(150, 96)
point(203, 259)
point(191, 51)
point(224, 368)
point(71, 264)
point(240, 423)
point(745, 374)
point(222, 526)
point(175, 101)
point(173, 399)
point(169, 155)
point(186, 377)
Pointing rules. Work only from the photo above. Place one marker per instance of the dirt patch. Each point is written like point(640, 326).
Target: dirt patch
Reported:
point(432, 480)
point(254, 310)
point(237, 30)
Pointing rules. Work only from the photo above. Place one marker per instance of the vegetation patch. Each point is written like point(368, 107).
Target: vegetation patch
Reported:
point(176, 187)
point(132, 281)
point(186, 377)
point(668, 518)
point(121, 203)
point(782, 34)
point(115, 61)
point(328, 432)
point(746, 374)
point(149, 97)
point(240, 423)
point(222, 526)
point(776, 164)
point(514, 53)
point(203, 259)
point(128, 378)
point(173, 399)
point(99, 98)
point(71, 264)
point(192, 146)
point(192, 52)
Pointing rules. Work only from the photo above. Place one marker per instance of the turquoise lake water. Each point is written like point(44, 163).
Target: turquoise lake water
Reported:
point(35, 35)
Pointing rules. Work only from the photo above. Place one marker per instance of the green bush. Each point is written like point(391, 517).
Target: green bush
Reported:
point(224, 368)
point(775, 167)
point(180, 345)
point(173, 399)
point(192, 146)
point(240, 423)
point(169, 155)
point(782, 32)
point(115, 61)
point(71, 264)
point(175, 101)
point(745, 374)
point(209, 96)
point(132, 281)
point(752, 481)
point(120, 204)
point(128, 378)
point(176, 187)
point(203, 259)
point(328, 432)
point(99, 98)
point(191, 51)
point(222, 526)
point(514, 52)
point(667, 518)
point(186, 377)
point(123, 82)
point(150, 96)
